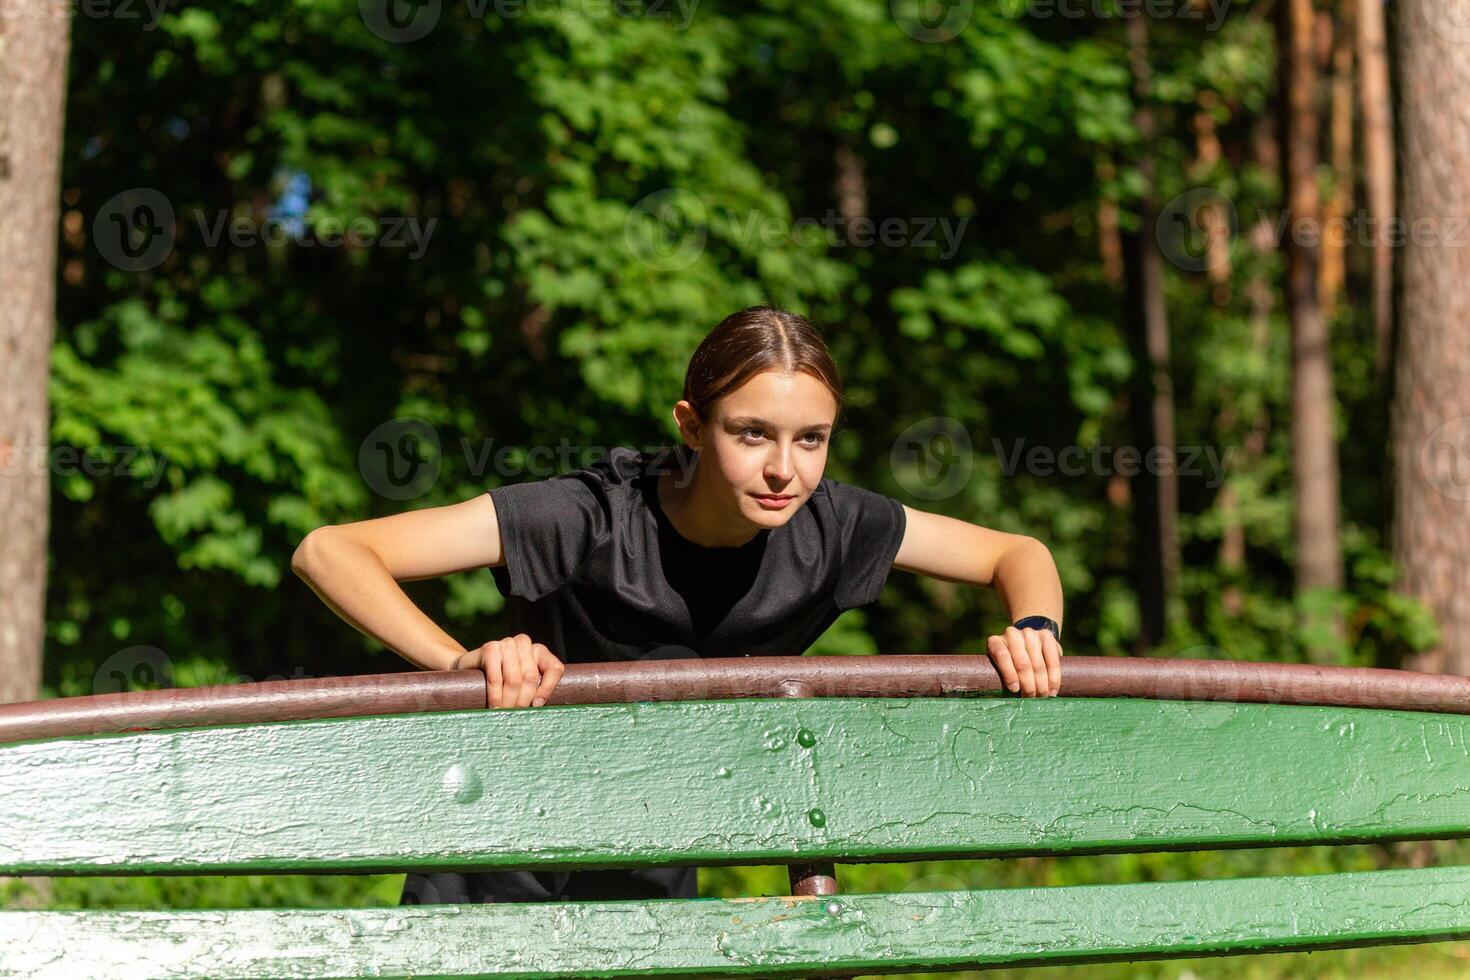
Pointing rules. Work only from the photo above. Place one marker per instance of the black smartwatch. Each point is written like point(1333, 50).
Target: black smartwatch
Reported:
point(1039, 623)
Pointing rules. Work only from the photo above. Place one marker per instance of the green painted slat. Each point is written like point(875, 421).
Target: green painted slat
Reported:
point(711, 782)
point(769, 937)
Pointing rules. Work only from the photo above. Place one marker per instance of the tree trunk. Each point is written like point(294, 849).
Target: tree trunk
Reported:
point(1267, 154)
point(1335, 236)
point(1156, 500)
point(1253, 448)
point(1378, 162)
point(1212, 215)
point(1109, 238)
point(851, 184)
point(33, 56)
point(1431, 412)
point(1314, 447)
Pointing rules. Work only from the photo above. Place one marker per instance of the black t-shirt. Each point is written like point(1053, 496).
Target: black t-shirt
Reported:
point(596, 572)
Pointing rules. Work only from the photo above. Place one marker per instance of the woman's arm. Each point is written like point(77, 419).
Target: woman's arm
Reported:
point(1018, 567)
point(355, 569)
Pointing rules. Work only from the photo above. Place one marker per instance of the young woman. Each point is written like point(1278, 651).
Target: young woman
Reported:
point(733, 544)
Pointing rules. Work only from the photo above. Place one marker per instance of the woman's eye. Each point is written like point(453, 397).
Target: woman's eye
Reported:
point(812, 439)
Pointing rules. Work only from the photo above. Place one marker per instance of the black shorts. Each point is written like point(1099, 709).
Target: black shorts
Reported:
point(443, 887)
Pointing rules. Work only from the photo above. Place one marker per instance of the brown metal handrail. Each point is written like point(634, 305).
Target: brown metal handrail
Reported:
point(890, 675)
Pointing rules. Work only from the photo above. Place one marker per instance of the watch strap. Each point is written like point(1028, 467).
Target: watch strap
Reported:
point(1039, 623)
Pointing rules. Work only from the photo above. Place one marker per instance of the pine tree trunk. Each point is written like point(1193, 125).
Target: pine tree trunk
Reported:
point(1378, 162)
point(1253, 447)
point(850, 184)
point(1335, 236)
point(33, 56)
point(1109, 236)
point(1156, 500)
point(1431, 416)
point(1314, 447)
point(1212, 215)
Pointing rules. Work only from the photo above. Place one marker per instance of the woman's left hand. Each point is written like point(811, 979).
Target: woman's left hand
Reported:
point(1028, 660)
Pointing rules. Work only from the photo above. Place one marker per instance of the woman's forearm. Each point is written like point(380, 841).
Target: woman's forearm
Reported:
point(355, 584)
point(1027, 582)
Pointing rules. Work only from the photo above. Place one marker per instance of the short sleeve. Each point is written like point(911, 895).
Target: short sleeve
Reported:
point(871, 528)
point(546, 528)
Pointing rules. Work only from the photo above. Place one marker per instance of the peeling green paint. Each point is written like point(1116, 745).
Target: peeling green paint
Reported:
point(841, 935)
point(728, 782)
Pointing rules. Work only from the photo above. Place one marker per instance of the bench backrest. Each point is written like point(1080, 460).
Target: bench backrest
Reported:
point(732, 782)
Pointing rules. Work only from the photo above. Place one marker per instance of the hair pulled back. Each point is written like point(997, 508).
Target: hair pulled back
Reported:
point(756, 339)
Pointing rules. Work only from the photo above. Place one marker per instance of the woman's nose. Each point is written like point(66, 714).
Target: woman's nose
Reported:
point(779, 467)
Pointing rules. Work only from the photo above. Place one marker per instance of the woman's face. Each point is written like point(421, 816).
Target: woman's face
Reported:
point(768, 438)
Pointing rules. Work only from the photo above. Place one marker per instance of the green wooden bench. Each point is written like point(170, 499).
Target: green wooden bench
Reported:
point(802, 781)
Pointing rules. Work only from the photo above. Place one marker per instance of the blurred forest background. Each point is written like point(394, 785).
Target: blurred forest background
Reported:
point(1177, 287)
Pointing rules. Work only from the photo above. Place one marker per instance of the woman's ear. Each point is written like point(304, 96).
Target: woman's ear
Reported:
point(687, 419)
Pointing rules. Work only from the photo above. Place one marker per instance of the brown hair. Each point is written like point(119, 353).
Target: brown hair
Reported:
point(756, 339)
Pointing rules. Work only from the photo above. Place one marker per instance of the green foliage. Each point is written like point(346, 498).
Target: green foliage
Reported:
point(218, 892)
point(594, 190)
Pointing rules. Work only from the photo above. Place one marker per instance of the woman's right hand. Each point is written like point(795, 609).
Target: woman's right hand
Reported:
point(518, 672)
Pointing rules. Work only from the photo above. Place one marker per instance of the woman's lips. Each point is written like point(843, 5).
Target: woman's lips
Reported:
point(773, 501)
